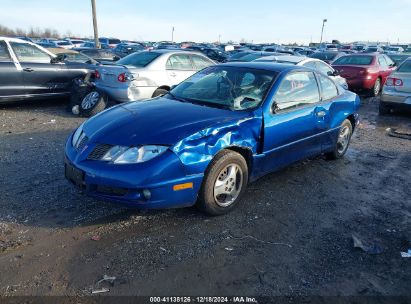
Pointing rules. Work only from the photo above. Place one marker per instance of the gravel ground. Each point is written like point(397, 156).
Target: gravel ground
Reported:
point(291, 235)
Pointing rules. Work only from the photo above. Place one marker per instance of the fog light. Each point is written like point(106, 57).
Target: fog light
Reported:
point(147, 194)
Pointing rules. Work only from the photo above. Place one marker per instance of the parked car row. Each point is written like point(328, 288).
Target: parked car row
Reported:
point(221, 125)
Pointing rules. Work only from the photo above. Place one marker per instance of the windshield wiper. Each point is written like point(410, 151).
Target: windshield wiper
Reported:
point(178, 98)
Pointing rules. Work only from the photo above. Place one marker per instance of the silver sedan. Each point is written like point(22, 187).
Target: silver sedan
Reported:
point(312, 63)
point(148, 74)
point(397, 89)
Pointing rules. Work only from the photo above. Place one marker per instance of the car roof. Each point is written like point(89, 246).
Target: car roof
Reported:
point(288, 58)
point(268, 66)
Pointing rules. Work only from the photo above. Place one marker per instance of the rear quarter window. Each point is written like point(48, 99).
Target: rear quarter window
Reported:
point(405, 67)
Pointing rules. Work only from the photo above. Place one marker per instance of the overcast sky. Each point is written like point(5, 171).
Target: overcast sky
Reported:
point(258, 20)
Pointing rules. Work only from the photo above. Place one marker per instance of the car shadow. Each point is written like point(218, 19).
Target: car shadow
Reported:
point(56, 107)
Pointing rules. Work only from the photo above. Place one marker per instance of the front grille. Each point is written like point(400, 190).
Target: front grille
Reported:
point(82, 143)
point(112, 191)
point(99, 151)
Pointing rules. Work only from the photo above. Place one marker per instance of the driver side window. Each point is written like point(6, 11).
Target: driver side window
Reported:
point(29, 53)
point(297, 89)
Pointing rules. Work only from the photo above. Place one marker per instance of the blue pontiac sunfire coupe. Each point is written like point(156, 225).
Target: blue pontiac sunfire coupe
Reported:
point(203, 142)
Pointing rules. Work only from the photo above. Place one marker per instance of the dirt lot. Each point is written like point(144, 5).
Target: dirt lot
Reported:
point(292, 234)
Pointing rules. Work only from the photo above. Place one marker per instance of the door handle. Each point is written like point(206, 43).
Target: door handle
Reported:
point(173, 74)
point(321, 114)
point(28, 70)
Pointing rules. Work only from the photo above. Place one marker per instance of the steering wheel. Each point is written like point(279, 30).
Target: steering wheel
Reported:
point(226, 80)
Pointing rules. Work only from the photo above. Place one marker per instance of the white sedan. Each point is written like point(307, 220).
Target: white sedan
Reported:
point(312, 63)
point(148, 74)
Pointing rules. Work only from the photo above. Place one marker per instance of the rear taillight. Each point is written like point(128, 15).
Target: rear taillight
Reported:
point(123, 77)
point(394, 82)
point(97, 74)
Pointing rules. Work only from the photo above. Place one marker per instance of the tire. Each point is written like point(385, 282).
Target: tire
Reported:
point(159, 92)
point(383, 109)
point(79, 89)
point(342, 142)
point(217, 176)
point(376, 90)
point(92, 104)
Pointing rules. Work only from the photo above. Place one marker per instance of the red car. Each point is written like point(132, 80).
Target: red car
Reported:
point(365, 72)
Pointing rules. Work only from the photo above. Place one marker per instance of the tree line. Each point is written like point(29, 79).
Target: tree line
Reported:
point(34, 32)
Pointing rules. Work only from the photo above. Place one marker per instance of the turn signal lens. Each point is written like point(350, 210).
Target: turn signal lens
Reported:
point(183, 186)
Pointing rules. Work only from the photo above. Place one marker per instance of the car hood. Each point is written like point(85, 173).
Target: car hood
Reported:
point(160, 121)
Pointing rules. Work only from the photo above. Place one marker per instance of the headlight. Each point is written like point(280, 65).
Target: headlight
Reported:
point(76, 135)
point(135, 155)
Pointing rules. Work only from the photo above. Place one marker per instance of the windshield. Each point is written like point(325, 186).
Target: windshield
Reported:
point(78, 57)
point(251, 57)
point(63, 43)
point(231, 88)
point(372, 49)
point(354, 60)
point(139, 60)
point(324, 56)
point(405, 67)
point(239, 55)
point(394, 49)
point(114, 41)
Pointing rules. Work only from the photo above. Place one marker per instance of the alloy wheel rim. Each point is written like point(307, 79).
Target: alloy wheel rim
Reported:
point(90, 100)
point(228, 185)
point(343, 140)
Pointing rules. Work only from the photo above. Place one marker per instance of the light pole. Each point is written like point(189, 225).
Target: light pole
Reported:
point(172, 34)
point(322, 30)
point(93, 7)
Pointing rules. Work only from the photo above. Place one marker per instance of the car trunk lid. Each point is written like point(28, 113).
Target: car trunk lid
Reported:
point(406, 82)
point(109, 75)
point(352, 71)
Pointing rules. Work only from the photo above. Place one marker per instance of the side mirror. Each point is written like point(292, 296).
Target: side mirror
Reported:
point(60, 58)
point(274, 107)
point(116, 58)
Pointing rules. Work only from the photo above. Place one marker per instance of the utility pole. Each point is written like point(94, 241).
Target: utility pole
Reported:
point(322, 30)
point(172, 34)
point(93, 7)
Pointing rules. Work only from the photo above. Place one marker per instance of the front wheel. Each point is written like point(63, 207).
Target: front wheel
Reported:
point(343, 141)
point(224, 183)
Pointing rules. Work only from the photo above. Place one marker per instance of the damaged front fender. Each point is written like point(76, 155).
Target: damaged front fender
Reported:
point(197, 150)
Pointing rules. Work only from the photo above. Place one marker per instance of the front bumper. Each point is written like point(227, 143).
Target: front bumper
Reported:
point(129, 184)
point(125, 94)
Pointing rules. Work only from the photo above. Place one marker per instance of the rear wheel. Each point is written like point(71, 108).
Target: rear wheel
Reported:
point(159, 92)
point(377, 88)
point(92, 104)
point(343, 141)
point(224, 183)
